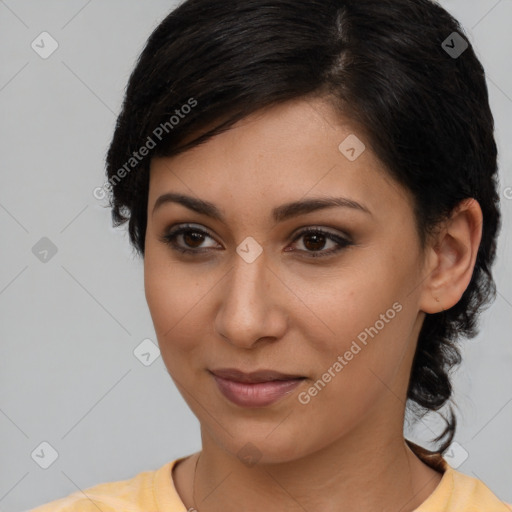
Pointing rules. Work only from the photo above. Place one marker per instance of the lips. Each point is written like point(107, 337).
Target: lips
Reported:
point(255, 389)
point(253, 377)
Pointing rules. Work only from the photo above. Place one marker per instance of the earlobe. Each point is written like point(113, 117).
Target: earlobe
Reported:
point(453, 257)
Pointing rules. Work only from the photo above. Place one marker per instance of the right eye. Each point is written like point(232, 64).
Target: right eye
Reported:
point(191, 236)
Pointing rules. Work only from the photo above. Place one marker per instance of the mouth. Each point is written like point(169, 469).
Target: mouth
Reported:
point(256, 389)
point(255, 377)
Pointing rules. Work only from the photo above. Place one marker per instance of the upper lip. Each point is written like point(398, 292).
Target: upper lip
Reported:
point(251, 377)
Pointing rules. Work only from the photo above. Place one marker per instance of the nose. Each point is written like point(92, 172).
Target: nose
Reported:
point(252, 305)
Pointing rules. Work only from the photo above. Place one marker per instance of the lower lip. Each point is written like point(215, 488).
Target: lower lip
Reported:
point(256, 394)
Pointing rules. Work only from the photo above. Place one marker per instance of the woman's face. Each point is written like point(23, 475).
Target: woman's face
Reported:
point(258, 292)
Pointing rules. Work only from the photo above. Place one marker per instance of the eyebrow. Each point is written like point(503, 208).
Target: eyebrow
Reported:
point(279, 214)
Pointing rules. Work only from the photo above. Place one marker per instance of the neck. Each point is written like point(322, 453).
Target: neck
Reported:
point(376, 474)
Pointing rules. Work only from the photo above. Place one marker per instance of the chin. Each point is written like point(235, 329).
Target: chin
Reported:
point(268, 446)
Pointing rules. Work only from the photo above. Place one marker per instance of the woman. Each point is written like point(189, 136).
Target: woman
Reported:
point(312, 186)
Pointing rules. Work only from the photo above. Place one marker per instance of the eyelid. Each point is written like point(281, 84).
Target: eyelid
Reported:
point(296, 233)
point(320, 228)
point(179, 229)
point(342, 240)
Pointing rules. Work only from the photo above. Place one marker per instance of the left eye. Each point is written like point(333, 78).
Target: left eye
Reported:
point(315, 239)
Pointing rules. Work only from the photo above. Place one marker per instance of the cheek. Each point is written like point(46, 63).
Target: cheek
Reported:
point(168, 292)
point(362, 314)
point(176, 297)
point(366, 362)
point(355, 378)
point(345, 303)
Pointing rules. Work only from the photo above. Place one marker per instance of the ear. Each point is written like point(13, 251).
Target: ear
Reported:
point(451, 258)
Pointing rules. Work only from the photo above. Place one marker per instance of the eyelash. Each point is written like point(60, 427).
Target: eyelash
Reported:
point(169, 239)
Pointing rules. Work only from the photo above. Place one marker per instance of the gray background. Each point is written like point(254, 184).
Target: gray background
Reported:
point(70, 324)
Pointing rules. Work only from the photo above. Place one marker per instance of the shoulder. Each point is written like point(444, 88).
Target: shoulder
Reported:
point(135, 494)
point(456, 492)
point(74, 503)
point(460, 492)
point(474, 494)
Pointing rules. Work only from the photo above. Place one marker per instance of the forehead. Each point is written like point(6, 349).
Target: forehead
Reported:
point(293, 150)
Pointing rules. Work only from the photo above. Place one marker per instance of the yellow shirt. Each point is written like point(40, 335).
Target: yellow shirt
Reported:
point(154, 491)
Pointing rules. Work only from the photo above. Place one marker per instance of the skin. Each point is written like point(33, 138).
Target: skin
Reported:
point(293, 313)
